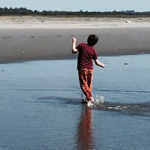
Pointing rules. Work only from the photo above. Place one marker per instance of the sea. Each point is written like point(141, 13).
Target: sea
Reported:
point(40, 105)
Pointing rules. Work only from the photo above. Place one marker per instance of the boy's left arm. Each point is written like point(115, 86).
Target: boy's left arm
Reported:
point(100, 64)
point(74, 49)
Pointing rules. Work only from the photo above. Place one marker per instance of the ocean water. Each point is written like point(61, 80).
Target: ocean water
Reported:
point(40, 106)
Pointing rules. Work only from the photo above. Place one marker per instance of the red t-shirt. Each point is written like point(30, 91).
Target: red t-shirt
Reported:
point(86, 56)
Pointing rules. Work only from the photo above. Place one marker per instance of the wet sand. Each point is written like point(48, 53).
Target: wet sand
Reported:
point(43, 38)
point(40, 106)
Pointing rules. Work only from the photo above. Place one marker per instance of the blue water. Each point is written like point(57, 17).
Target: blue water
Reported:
point(40, 106)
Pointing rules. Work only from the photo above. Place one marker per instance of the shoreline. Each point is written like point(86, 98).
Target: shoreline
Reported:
point(40, 38)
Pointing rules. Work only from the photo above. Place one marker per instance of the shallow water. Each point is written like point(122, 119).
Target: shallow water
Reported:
point(40, 106)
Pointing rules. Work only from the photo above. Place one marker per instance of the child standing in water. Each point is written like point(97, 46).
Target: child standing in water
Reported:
point(86, 55)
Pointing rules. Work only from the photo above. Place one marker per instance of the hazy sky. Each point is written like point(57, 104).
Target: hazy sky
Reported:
point(76, 5)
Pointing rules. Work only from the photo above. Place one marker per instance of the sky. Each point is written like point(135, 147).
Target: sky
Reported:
point(76, 5)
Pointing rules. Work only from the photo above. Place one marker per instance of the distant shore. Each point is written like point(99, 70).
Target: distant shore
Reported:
point(43, 38)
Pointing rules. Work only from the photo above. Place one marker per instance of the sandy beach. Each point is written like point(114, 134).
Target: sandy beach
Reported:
point(44, 38)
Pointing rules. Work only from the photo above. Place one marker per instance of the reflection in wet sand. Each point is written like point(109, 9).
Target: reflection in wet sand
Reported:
point(84, 137)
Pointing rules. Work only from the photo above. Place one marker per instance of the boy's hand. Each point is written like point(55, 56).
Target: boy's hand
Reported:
point(74, 39)
point(102, 65)
point(98, 63)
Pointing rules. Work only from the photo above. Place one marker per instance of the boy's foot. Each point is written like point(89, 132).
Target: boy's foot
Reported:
point(90, 102)
point(86, 101)
point(91, 99)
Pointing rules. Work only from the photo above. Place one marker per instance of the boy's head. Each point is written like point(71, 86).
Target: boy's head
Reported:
point(92, 39)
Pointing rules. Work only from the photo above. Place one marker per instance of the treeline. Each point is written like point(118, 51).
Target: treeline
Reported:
point(80, 13)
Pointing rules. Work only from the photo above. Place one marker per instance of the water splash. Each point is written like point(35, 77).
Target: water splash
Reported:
point(100, 103)
point(142, 109)
point(99, 100)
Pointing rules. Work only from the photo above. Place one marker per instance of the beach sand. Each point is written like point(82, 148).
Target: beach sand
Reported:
point(44, 38)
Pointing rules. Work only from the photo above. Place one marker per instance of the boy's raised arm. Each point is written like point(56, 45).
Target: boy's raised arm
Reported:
point(98, 63)
point(74, 41)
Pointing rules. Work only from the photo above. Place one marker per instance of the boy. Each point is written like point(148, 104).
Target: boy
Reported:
point(86, 55)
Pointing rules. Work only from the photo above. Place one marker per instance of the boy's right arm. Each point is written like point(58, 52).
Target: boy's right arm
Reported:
point(98, 63)
point(74, 49)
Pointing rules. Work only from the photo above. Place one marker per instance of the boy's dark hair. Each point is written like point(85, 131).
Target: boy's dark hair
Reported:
point(92, 39)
